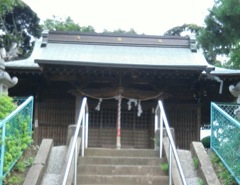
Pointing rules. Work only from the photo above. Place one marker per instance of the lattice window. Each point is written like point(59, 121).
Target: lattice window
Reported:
point(109, 118)
point(95, 118)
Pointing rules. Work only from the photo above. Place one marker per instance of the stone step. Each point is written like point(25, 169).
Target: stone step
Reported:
point(122, 179)
point(124, 166)
point(120, 161)
point(119, 170)
point(121, 152)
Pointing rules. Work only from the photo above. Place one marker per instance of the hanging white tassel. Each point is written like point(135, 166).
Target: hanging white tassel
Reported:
point(139, 109)
point(97, 108)
point(130, 101)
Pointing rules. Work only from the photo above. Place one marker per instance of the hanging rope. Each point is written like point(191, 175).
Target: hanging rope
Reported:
point(130, 101)
point(126, 97)
point(98, 105)
point(136, 103)
point(119, 98)
point(139, 108)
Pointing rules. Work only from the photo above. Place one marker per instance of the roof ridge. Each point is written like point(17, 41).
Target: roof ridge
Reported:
point(117, 39)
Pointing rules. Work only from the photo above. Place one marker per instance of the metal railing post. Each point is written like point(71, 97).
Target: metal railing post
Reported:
point(73, 154)
point(155, 129)
point(3, 123)
point(86, 140)
point(161, 135)
point(172, 148)
point(170, 165)
point(83, 135)
point(75, 164)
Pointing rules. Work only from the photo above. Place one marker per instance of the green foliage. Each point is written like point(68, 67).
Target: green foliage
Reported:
point(28, 162)
point(17, 133)
point(7, 6)
point(223, 174)
point(206, 142)
point(201, 182)
point(65, 24)
point(6, 106)
point(164, 167)
point(19, 24)
point(221, 35)
point(13, 180)
point(21, 165)
point(195, 162)
point(178, 30)
point(16, 141)
point(120, 31)
point(18, 172)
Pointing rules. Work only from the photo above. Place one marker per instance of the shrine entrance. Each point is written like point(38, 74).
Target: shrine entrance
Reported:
point(137, 131)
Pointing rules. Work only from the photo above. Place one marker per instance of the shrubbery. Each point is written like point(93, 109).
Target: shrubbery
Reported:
point(17, 134)
point(6, 106)
point(206, 142)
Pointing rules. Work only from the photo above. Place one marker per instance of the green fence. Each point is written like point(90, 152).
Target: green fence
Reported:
point(16, 135)
point(225, 135)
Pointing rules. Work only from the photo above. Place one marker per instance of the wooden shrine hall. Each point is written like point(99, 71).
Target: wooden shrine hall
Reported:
point(121, 75)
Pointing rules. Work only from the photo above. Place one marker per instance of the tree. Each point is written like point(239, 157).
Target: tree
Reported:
point(221, 35)
point(7, 6)
point(178, 30)
point(65, 24)
point(131, 31)
point(18, 25)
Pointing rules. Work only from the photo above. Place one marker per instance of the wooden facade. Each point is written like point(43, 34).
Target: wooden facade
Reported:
point(55, 110)
point(58, 84)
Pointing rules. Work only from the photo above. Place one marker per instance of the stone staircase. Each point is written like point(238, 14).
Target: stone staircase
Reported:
point(117, 167)
point(125, 166)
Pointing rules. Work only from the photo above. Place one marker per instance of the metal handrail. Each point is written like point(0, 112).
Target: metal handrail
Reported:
point(162, 120)
point(82, 122)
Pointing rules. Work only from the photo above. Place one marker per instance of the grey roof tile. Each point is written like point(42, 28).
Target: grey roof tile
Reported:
point(134, 56)
point(121, 55)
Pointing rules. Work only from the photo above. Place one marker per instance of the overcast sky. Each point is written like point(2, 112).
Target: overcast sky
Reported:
point(152, 17)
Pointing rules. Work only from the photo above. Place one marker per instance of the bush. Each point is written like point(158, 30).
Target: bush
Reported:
point(206, 142)
point(18, 136)
point(6, 106)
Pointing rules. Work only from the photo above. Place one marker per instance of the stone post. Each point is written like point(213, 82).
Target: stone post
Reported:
point(6, 81)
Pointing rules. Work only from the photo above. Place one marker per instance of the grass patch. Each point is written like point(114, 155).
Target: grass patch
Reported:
point(164, 167)
point(196, 163)
point(221, 171)
point(200, 181)
point(18, 173)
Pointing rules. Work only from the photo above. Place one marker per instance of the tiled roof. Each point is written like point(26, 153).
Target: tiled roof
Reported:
point(114, 50)
point(120, 56)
